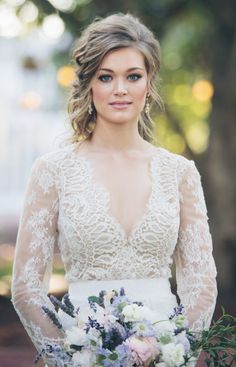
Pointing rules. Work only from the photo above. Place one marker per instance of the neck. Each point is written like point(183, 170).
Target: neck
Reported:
point(116, 137)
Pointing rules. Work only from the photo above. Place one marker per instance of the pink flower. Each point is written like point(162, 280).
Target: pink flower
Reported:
point(143, 350)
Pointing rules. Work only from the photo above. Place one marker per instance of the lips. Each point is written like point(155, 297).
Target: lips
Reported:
point(120, 104)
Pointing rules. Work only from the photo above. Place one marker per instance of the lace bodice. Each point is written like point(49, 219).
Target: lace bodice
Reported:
point(65, 204)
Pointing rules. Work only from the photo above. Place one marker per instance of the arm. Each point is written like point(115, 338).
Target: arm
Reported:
point(195, 267)
point(34, 254)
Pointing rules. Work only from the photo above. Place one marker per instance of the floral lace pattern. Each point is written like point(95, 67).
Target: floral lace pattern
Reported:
point(64, 204)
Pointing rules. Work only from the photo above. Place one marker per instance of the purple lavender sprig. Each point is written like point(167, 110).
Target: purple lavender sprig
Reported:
point(62, 306)
point(177, 311)
point(54, 350)
point(67, 302)
point(52, 317)
point(122, 291)
point(112, 339)
point(93, 323)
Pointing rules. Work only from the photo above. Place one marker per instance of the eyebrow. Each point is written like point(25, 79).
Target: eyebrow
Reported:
point(130, 69)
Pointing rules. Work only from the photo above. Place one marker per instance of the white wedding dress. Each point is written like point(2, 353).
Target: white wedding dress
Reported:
point(65, 204)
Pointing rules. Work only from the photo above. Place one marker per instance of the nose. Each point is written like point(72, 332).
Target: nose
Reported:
point(120, 88)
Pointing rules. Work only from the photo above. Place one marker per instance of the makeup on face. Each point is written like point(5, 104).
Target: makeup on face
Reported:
point(120, 85)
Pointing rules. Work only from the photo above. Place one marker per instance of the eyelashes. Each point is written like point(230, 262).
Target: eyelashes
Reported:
point(135, 77)
point(107, 77)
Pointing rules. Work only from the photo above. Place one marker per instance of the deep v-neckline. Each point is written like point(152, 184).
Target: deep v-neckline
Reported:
point(128, 237)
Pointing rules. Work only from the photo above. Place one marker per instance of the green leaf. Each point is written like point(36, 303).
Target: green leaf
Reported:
point(113, 357)
point(93, 299)
point(100, 358)
point(121, 306)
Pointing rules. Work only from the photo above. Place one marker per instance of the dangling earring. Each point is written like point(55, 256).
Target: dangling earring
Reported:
point(90, 109)
point(147, 105)
point(91, 126)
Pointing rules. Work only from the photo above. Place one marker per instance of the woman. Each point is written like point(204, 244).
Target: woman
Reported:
point(120, 208)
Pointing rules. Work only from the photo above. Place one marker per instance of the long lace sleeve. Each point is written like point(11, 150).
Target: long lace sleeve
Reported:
point(32, 267)
point(195, 266)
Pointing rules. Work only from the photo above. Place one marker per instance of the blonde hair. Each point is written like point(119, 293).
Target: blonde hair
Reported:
point(100, 37)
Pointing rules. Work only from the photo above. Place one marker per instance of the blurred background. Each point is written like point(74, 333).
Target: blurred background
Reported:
point(198, 85)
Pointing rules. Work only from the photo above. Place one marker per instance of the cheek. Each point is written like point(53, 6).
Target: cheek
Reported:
point(140, 93)
point(99, 92)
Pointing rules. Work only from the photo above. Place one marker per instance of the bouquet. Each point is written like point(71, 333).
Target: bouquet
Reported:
point(116, 332)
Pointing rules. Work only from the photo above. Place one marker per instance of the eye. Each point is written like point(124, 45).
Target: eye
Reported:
point(105, 78)
point(134, 77)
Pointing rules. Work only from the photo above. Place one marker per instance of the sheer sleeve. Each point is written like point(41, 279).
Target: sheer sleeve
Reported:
point(195, 266)
point(32, 267)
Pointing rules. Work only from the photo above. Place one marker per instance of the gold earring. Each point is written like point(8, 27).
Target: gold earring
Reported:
point(147, 105)
point(90, 109)
point(91, 126)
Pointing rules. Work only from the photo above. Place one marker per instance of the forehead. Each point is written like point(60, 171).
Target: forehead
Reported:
point(127, 57)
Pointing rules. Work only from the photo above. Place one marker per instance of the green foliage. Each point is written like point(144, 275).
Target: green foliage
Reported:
point(5, 269)
point(219, 342)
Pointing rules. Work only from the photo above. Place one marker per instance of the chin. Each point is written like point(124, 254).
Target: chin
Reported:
point(121, 118)
point(122, 121)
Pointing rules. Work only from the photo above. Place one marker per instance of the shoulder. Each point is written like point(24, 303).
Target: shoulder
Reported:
point(178, 160)
point(55, 158)
point(46, 169)
point(181, 165)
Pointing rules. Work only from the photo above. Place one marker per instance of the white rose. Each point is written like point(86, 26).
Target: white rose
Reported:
point(173, 354)
point(163, 327)
point(161, 364)
point(134, 312)
point(83, 358)
point(76, 336)
point(162, 324)
point(182, 338)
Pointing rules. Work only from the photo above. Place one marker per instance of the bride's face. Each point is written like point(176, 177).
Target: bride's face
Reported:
point(120, 86)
